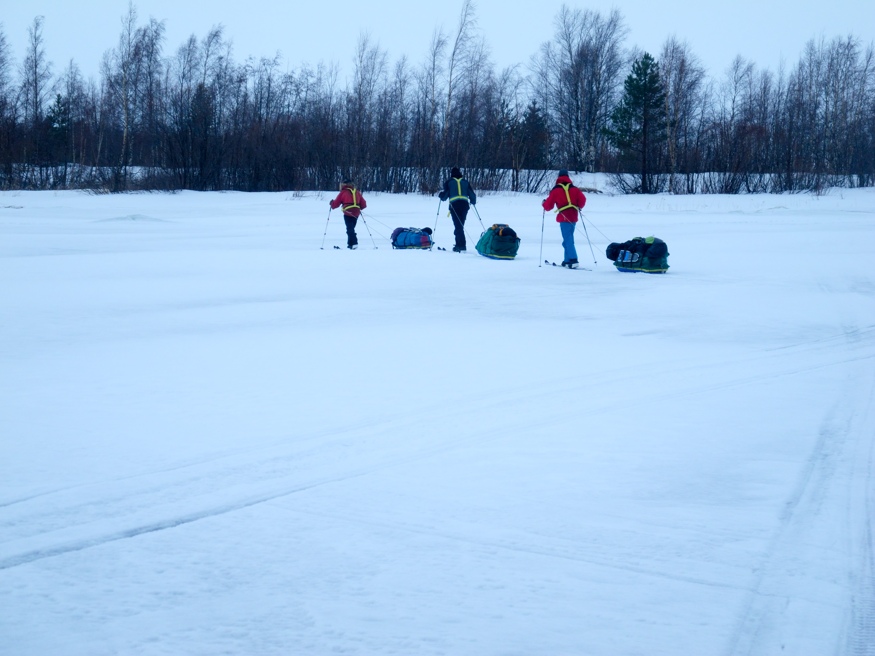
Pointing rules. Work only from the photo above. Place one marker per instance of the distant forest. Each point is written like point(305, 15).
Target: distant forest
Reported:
point(193, 118)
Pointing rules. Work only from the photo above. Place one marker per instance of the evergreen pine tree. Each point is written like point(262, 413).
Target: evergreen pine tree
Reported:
point(536, 136)
point(639, 124)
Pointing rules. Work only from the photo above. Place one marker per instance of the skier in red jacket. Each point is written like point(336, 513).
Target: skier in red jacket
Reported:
point(353, 203)
point(568, 200)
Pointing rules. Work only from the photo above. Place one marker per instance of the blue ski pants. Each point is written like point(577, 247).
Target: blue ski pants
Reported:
point(568, 240)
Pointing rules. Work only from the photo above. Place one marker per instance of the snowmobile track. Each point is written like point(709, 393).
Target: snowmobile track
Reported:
point(799, 554)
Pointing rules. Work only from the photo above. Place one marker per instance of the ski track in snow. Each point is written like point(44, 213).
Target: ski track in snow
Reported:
point(861, 641)
point(183, 494)
point(777, 601)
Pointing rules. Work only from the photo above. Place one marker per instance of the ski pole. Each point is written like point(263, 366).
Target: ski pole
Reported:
point(588, 242)
point(434, 230)
point(541, 253)
point(322, 247)
point(478, 218)
point(369, 230)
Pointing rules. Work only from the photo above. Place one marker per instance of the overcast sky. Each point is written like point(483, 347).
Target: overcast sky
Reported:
point(764, 31)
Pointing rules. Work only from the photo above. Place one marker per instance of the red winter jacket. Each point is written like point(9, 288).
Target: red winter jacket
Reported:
point(351, 199)
point(562, 199)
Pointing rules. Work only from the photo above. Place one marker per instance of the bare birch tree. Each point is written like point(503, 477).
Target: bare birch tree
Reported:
point(579, 74)
point(36, 75)
point(7, 118)
point(684, 81)
point(428, 127)
point(459, 52)
point(35, 92)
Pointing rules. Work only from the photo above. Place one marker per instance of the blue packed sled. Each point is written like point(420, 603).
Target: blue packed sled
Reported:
point(412, 238)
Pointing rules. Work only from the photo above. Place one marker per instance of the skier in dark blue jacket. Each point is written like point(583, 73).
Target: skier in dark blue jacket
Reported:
point(458, 191)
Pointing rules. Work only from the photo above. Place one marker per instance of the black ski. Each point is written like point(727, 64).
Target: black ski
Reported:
point(579, 268)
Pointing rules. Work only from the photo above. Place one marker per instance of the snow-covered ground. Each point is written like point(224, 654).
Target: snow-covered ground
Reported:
point(216, 437)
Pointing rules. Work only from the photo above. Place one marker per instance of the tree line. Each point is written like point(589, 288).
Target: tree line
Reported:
point(196, 119)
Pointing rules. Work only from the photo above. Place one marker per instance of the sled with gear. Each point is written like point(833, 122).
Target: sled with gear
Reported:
point(499, 242)
point(412, 238)
point(644, 254)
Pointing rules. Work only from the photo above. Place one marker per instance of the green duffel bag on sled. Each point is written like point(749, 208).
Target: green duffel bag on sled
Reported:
point(645, 255)
point(499, 242)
